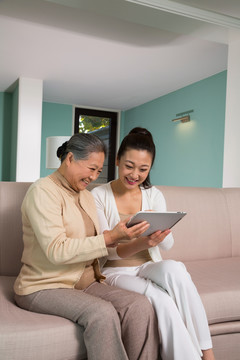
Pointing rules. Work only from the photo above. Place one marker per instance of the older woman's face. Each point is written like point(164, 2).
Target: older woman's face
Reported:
point(79, 173)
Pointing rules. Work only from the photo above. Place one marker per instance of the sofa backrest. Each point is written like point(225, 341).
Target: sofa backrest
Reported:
point(211, 227)
point(209, 230)
point(233, 203)
point(11, 244)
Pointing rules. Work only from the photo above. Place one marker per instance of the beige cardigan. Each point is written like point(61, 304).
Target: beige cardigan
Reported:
point(56, 248)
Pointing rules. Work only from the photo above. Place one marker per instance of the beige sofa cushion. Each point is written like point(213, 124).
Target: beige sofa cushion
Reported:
point(219, 286)
point(11, 244)
point(205, 232)
point(233, 200)
point(27, 335)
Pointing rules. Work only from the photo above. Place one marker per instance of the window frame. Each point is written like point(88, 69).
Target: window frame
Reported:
point(113, 116)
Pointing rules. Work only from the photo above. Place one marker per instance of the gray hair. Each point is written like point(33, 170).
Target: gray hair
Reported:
point(81, 145)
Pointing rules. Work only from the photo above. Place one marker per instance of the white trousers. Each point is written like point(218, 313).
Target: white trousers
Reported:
point(182, 321)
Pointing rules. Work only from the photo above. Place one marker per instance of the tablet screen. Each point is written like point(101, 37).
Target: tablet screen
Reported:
point(157, 220)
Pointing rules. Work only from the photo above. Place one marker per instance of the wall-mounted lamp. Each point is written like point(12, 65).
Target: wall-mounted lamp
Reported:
point(52, 144)
point(182, 118)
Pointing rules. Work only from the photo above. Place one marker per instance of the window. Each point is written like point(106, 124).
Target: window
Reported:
point(104, 125)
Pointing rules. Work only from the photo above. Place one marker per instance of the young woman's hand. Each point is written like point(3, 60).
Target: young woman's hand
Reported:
point(121, 231)
point(154, 239)
point(141, 243)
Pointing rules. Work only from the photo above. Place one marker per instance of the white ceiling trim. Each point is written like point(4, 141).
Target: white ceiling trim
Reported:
point(191, 12)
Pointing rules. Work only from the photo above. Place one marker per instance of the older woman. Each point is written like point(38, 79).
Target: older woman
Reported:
point(60, 273)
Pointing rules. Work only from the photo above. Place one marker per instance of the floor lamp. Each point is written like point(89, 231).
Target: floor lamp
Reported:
point(52, 144)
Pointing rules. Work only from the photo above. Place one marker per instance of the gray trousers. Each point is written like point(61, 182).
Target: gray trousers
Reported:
point(118, 324)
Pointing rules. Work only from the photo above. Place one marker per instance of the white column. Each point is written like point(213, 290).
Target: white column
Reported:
point(231, 162)
point(29, 129)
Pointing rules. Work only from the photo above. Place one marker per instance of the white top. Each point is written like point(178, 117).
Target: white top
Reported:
point(152, 199)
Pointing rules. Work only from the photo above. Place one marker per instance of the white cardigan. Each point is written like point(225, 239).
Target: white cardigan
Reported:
point(152, 199)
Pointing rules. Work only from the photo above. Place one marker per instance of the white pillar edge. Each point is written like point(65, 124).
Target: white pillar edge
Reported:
point(231, 168)
point(29, 129)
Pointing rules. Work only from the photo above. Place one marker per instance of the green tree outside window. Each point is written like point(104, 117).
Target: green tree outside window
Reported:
point(91, 123)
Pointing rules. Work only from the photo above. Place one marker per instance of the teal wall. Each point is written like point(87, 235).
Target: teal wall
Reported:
point(56, 121)
point(14, 130)
point(8, 135)
point(5, 135)
point(188, 154)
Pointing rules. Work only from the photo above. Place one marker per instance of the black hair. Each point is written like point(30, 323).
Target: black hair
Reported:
point(139, 139)
point(81, 145)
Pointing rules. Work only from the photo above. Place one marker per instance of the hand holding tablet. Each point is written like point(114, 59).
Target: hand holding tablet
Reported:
point(157, 220)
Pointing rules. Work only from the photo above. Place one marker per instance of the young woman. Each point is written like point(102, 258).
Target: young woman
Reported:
point(60, 273)
point(137, 264)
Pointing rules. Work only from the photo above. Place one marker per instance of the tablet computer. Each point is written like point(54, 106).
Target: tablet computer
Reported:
point(157, 220)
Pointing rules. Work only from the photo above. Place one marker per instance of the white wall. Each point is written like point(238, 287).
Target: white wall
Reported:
point(29, 129)
point(231, 162)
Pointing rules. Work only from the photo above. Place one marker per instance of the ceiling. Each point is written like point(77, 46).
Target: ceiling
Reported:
point(113, 54)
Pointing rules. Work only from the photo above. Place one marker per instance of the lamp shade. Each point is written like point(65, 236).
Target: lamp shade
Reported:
point(52, 144)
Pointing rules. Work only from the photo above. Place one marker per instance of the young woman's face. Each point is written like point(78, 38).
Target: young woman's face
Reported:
point(133, 167)
point(81, 172)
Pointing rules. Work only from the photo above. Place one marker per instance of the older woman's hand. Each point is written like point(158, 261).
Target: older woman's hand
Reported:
point(121, 231)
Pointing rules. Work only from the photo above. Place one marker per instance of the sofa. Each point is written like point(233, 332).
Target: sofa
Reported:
point(207, 241)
